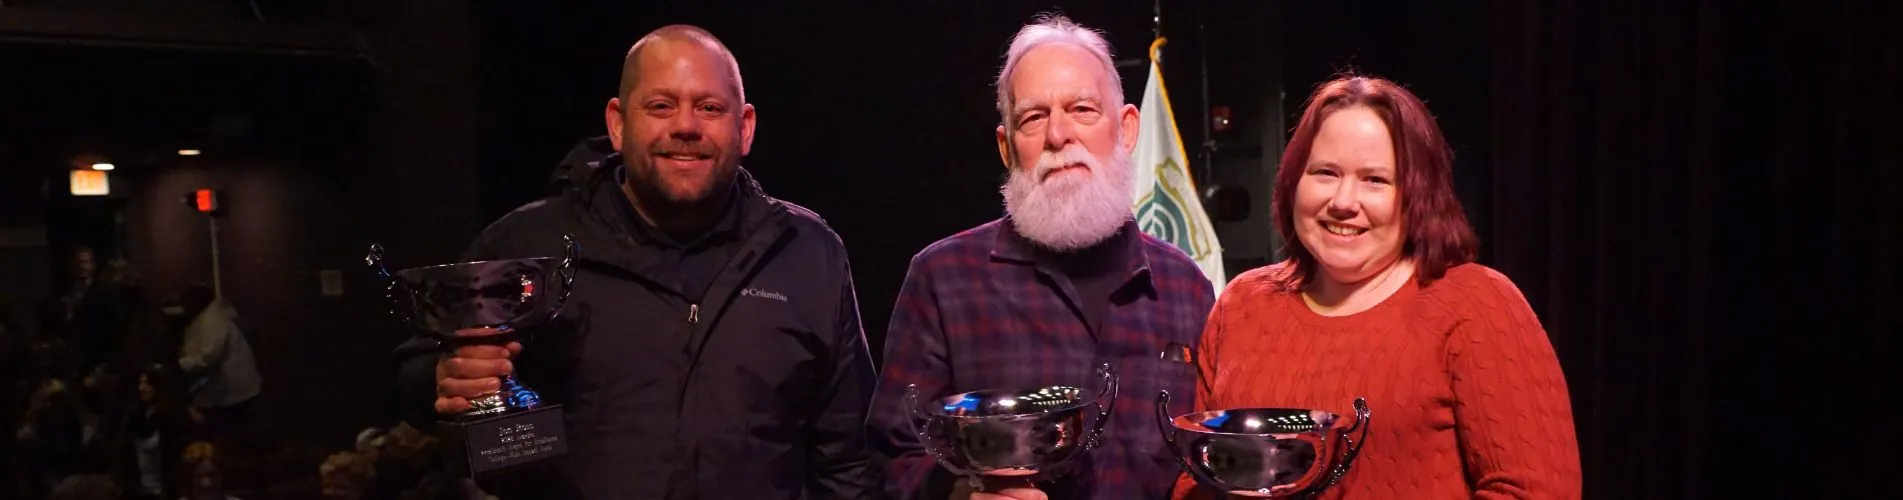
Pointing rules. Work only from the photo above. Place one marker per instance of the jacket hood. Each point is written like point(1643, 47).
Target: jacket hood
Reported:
point(581, 162)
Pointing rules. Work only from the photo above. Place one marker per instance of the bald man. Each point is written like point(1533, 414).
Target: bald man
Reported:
point(712, 348)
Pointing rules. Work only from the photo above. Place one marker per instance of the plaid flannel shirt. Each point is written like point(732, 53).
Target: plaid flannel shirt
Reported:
point(977, 311)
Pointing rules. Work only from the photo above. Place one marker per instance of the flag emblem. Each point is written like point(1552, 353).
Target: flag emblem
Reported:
point(1166, 202)
point(1160, 212)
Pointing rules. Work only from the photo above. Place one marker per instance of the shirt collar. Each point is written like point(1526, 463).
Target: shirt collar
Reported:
point(727, 227)
point(1009, 245)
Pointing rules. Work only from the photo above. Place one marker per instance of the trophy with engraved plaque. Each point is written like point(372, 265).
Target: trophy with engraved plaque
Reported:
point(511, 427)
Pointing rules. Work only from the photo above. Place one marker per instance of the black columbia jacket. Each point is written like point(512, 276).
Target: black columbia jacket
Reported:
point(756, 388)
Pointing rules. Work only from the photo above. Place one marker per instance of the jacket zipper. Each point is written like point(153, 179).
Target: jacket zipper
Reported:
point(693, 313)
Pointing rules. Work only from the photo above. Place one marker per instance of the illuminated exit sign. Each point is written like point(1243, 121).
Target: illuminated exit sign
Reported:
point(89, 183)
point(206, 200)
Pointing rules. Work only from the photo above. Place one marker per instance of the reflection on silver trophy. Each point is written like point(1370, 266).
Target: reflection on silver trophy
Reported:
point(512, 426)
point(1026, 433)
point(1264, 452)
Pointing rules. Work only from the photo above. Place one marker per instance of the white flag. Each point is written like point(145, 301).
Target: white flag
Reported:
point(1167, 204)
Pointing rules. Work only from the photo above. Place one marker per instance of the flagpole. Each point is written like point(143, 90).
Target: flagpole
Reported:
point(1209, 141)
point(1198, 172)
point(1170, 206)
point(1156, 19)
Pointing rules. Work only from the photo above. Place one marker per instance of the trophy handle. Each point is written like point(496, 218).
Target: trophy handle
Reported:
point(1106, 404)
point(1163, 426)
point(1169, 439)
point(1354, 445)
point(911, 404)
point(375, 261)
point(571, 251)
point(919, 425)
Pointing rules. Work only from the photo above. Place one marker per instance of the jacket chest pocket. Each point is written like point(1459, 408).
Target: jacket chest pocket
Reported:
point(627, 357)
point(776, 361)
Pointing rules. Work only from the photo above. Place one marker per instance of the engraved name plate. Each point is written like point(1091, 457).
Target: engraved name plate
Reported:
point(513, 439)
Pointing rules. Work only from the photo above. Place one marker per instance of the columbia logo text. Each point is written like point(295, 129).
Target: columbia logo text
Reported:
point(763, 294)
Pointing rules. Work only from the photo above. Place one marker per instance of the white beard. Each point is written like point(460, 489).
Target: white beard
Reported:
point(1070, 212)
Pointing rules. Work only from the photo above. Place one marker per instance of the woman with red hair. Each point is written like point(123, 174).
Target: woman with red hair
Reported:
point(1380, 298)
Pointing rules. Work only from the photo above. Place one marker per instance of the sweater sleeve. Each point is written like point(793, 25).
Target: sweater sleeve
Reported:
point(1512, 411)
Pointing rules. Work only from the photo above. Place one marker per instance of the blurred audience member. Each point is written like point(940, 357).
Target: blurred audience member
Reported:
point(398, 463)
point(347, 475)
point(89, 312)
point(154, 433)
point(49, 358)
point(409, 462)
point(202, 478)
point(370, 442)
point(86, 487)
point(215, 353)
point(55, 434)
point(110, 390)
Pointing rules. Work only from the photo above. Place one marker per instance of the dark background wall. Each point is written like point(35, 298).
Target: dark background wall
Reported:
point(1698, 197)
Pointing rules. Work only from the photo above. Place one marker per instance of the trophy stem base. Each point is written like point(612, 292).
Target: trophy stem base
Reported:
point(477, 446)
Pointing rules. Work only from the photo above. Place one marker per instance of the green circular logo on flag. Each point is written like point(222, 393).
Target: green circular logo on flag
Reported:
point(1161, 214)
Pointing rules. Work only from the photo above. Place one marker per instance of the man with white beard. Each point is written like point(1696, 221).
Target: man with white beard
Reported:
point(1064, 282)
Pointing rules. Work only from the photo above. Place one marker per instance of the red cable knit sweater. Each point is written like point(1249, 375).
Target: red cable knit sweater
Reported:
point(1467, 397)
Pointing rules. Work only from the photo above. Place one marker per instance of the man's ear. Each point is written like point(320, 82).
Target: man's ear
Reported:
point(615, 120)
point(1004, 147)
point(746, 129)
point(1131, 121)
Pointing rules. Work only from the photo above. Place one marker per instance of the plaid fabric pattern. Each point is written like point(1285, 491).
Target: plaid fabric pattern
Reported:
point(977, 311)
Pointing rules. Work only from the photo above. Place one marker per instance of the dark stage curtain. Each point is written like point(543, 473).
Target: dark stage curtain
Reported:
point(1701, 199)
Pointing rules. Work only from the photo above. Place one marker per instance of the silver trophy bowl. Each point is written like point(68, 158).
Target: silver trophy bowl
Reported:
point(506, 295)
point(1018, 433)
point(1264, 452)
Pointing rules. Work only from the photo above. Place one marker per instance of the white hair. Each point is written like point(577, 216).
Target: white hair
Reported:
point(1055, 28)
